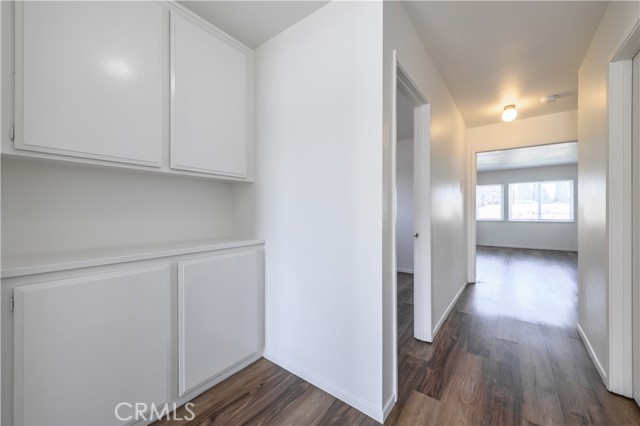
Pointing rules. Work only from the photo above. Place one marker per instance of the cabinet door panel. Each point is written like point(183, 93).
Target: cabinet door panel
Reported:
point(91, 79)
point(84, 345)
point(218, 314)
point(210, 101)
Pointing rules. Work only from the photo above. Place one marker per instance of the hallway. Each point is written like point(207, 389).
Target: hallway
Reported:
point(508, 354)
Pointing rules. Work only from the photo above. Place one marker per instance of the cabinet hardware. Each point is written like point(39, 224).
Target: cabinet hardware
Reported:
point(416, 235)
point(12, 133)
point(11, 304)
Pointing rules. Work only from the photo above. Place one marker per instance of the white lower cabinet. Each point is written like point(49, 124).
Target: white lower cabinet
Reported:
point(218, 315)
point(84, 345)
point(90, 345)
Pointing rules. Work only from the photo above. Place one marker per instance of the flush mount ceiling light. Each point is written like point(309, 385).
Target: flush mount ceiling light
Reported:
point(509, 113)
point(549, 99)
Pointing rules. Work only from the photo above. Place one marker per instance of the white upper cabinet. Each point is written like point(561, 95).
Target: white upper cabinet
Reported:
point(92, 79)
point(134, 84)
point(211, 108)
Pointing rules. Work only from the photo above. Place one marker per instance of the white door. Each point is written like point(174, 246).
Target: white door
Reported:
point(636, 227)
point(423, 326)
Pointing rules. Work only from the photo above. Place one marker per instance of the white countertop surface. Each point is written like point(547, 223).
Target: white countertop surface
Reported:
point(14, 266)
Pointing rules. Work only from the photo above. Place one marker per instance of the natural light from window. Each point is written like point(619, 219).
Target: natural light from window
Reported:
point(541, 201)
point(489, 204)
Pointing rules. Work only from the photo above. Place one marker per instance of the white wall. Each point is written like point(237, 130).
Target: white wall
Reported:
point(318, 200)
point(532, 235)
point(542, 130)
point(447, 166)
point(404, 218)
point(593, 154)
point(56, 207)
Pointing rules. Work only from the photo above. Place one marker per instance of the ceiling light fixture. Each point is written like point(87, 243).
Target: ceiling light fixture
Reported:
point(509, 113)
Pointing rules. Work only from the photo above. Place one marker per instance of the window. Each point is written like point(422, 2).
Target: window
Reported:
point(489, 205)
point(541, 201)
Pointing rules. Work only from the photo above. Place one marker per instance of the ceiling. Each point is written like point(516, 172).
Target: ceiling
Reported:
point(492, 54)
point(535, 156)
point(253, 22)
point(489, 53)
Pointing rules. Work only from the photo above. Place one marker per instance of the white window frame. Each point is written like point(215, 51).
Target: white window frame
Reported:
point(539, 184)
point(501, 219)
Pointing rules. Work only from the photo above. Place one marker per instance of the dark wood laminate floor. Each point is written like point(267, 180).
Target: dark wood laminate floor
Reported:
point(508, 354)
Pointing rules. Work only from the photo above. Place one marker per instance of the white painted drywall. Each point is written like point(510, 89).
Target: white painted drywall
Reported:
point(318, 201)
point(447, 166)
point(404, 214)
point(48, 207)
point(533, 235)
point(542, 130)
point(593, 153)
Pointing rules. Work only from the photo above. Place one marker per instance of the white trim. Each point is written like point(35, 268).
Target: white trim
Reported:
point(572, 250)
point(394, 239)
point(619, 220)
point(405, 270)
point(592, 353)
point(446, 313)
point(386, 410)
point(376, 413)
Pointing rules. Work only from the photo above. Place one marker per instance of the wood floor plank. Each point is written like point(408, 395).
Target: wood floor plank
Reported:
point(261, 403)
point(306, 410)
point(541, 404)
point(580, 405)
point(419, 410)
point(463, 401)
point(340, 413)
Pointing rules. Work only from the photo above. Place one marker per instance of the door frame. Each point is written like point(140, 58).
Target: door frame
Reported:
point(621, 196)
point(421, 200)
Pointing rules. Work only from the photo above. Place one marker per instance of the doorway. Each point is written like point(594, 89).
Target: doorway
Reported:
point(416, 219)
point(411, 189)
point(527, 235)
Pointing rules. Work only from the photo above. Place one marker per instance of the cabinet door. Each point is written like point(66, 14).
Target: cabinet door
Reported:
point(211, 76)
point(91, 79)
point(219, 315)
point(84, 345)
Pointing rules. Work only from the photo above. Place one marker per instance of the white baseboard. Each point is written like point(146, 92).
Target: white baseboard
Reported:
point(593, 356)
point(376, 413)
point(529, 247)
point(405, 270)
point(389, 406)
point(446, 313)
